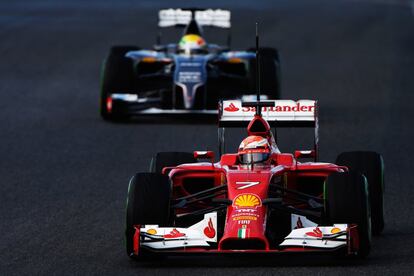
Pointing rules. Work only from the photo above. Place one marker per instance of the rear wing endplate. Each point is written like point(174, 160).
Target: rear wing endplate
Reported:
point(284, 113)
point(181, 17)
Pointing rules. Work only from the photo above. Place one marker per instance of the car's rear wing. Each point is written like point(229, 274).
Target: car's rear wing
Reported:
point(181, 17)
point(284, 113)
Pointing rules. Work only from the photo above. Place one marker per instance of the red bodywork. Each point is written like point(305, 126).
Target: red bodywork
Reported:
point(247, 187)
point(283, 169)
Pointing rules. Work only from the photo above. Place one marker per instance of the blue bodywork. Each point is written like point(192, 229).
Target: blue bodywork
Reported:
point(190, 71)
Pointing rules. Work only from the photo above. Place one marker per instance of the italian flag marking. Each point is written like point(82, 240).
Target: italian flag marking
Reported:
point(242, 233)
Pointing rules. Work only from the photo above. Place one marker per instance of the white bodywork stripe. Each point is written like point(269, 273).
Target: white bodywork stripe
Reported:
point(247, 184)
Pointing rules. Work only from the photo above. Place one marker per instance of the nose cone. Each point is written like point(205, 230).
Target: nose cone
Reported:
point(246, 217)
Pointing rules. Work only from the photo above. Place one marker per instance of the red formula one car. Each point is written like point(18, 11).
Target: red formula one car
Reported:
point(257, 200)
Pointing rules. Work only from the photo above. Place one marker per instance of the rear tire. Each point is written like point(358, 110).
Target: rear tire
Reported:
point(371, 165)
point(117, 76)
point(347, 201)
point(148, 202)
point(269, 72)
point(170, 159)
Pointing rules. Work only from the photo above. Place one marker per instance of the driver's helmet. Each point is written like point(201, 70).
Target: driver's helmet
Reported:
point(254, 149)
point(192, 43)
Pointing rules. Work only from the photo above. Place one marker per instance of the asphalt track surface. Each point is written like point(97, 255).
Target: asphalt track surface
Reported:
point(64, 172)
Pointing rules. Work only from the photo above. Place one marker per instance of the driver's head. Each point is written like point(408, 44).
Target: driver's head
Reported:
point(254, 149)
point(192, 43)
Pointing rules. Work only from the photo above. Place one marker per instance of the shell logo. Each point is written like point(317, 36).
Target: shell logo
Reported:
point(152, 231)
point(247, 200)
point(335, 230)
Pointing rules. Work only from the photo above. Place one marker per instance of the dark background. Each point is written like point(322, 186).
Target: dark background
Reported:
point(64, 172)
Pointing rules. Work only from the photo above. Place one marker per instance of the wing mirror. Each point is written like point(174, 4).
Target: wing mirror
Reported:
point(204, 155)
point(300, 154)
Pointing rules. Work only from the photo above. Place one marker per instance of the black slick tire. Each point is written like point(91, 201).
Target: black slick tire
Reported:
point(116, 76)
point(148, 202)
point(347, 201)
point(371, 165)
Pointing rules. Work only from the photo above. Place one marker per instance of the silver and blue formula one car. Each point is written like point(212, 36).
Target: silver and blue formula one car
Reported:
point(190, 76)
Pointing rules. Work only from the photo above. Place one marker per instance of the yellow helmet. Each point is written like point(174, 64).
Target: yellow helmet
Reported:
point(191, 42)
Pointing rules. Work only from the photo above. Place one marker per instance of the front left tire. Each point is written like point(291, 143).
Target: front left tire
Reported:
point(347, 202)
point(116, 76)
point(371, 165)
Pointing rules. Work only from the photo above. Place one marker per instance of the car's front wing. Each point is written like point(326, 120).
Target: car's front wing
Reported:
point(202, 238)
point(130, 104)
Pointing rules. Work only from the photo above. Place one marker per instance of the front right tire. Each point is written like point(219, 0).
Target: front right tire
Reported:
point(148, 202)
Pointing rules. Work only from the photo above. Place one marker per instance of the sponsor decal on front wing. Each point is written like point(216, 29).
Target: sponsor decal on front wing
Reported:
point(199, 234)
point(298, 221)
point(209, 230)
point(319, 237)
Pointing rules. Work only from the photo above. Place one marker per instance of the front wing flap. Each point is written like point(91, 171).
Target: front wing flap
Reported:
point(200, 234)
point(202, 238)
point(317, 237)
